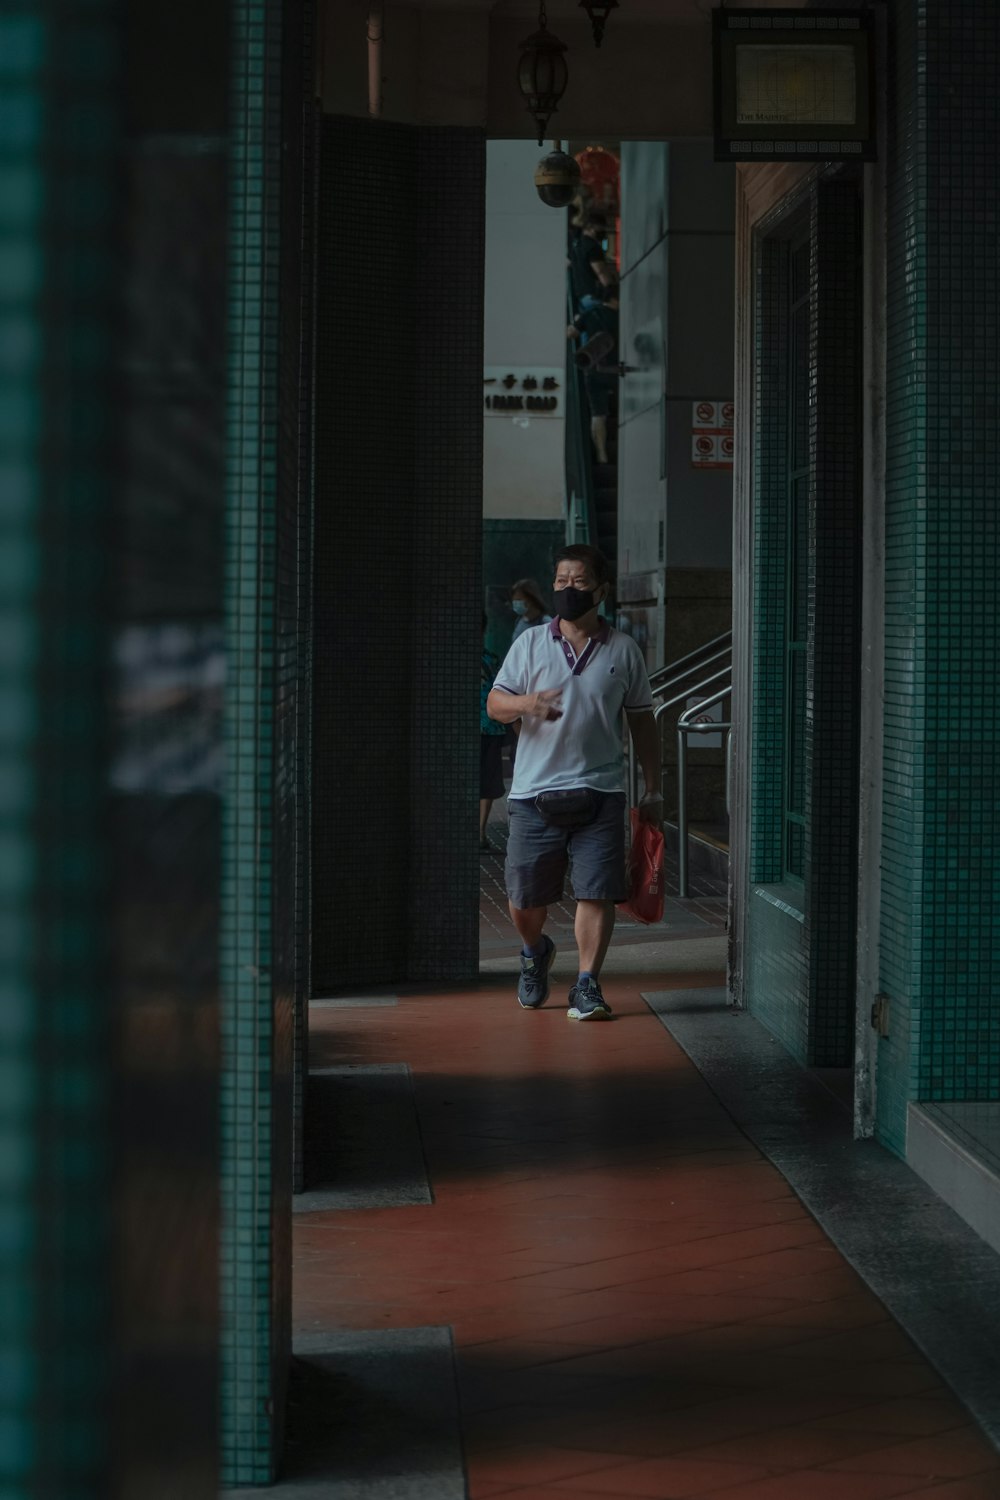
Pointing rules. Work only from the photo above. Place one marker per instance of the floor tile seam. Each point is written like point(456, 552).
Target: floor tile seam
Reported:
point(886, 1440)
point(636, 1287)
point(759, 1474)
point(612, 1259)
point(597, 1383)
point(831, 1466)
point(441, 1285)
point(752, 1429)
point(936, 1487)
point(704, 1453)
point(695, 1334)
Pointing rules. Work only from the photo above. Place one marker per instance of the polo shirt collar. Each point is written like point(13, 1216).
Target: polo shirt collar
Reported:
point(578, 663)
point(600, 634)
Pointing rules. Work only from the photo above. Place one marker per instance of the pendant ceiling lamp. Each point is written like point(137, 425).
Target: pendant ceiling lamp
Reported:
point(542, 74)
point(599, 11)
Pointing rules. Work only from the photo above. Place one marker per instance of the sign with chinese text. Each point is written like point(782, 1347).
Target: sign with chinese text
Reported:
point(519, 392)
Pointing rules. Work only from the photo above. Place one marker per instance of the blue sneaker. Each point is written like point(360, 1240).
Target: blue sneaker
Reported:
point(586, 1003)
point(533, 986)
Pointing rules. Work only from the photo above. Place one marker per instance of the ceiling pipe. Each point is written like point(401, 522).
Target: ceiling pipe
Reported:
point(376, 19)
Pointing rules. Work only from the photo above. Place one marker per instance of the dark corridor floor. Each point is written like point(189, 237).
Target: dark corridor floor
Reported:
point(601, 1285)
point(639, 1303)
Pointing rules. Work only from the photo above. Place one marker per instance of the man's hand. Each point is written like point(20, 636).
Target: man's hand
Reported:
point(651, 810)
point(547, 705)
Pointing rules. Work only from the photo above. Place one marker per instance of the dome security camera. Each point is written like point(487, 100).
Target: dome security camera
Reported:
point(557, 177)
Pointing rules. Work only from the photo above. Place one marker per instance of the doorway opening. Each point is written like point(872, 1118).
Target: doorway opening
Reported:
point(608, 419)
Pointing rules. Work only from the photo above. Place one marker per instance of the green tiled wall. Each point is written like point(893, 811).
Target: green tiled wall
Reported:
point(940, 914)
point(256, 1034)
point(59, 144)
point(834, 618)
point(398, 531)
point(163, 817)
point(769, 526)
point(800, 937)
point(778, 965)
point(776, 950)
point(293, 572)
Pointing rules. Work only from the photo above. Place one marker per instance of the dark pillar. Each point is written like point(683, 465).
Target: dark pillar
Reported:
point(398, 593)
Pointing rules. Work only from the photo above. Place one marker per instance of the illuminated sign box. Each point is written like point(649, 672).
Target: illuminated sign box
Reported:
point(794, 85)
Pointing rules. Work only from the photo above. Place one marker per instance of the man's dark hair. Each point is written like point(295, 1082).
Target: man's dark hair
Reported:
point(595, 562)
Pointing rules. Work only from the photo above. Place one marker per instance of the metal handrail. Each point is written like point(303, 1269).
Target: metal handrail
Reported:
point(687, 692)
point(675, 676)
point(710, 702)
point(684, 728)
point(663, 681)
point(668, 672)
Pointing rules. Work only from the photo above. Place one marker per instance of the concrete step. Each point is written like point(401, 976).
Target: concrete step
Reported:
point(955, 1148)
point(708, 852)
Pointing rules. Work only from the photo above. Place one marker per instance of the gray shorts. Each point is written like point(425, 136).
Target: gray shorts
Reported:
point(538, 855)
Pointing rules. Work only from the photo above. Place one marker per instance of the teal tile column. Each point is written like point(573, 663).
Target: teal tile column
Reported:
point(770, 523)
point(940, 932)
point(60, 141)
point(255, 1291)
point(800, 944)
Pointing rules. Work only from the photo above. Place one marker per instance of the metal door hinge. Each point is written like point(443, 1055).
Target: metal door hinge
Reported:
point(880, 1014)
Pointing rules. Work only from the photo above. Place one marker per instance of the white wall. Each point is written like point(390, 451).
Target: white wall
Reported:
point(525, 325)
point(642, 484)
point(677, 300)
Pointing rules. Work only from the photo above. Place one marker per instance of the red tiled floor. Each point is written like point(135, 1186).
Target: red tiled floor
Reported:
point(944, 1455)
point(640, 1305)
point(663, 1478)
point(982, 1488)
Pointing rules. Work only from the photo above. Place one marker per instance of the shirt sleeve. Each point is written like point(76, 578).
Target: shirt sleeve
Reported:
point(513, 674)
point(639, 696)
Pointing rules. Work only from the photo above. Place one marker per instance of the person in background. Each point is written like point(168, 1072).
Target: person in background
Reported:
point(491, 738)
point(526, 602)
point(600, 380)
point(573, 684)
point(589, 269)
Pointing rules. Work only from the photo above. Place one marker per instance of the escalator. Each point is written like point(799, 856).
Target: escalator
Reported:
point(591, 488)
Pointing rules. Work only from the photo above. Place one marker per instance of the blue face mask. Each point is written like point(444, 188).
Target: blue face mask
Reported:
point(519, 607)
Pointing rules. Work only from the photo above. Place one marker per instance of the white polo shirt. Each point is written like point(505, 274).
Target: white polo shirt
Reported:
point(584, 746)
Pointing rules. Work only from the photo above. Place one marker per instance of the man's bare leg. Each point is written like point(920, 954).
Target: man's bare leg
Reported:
point(529, 921)
point(595, 922)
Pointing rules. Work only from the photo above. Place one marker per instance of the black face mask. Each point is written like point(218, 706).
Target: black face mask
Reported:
point(571, 604)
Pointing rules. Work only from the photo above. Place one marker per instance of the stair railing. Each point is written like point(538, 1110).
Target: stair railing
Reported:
point(662, 680)
point(710, 690)
point(671, 676)
point(686, 725)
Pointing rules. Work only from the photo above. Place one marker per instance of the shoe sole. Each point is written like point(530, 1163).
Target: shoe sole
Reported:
point(539, 1003)
point(601, 1014)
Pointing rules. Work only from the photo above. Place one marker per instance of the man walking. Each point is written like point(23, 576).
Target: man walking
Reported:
point(569, 682)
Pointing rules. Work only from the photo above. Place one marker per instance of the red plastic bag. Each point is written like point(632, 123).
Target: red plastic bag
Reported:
point(645, 873)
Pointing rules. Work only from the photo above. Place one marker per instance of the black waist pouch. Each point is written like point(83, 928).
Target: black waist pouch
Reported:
point(570, 809)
